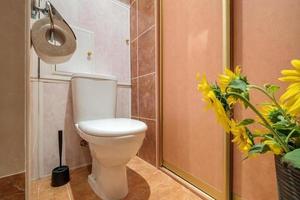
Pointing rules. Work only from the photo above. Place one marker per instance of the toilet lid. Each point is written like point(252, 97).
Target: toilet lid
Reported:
point(112, 127)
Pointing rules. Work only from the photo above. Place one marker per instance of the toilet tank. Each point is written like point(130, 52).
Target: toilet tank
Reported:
point(94, 97)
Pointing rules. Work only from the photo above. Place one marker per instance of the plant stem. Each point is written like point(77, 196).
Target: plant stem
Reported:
point(237, 95)
point(270, 97)
point(289, 135)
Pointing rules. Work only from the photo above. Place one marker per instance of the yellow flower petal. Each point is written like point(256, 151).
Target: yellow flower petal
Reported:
point(213, 103)
point(265, 110)
point(295, 108)
point(228, 76)
point(288, 72)
point(291, 93)
point(291, 96)
point(238, 70)
point(240, 136)
point(296, 63)
point(290, 79)
point(274, 146)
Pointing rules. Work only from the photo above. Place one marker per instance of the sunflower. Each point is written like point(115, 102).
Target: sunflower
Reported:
point(291, 98)
point(266, 110)
point(226, 79)
point(228, 76)
point(213, 103)
point(274, 146)
point(240, 136)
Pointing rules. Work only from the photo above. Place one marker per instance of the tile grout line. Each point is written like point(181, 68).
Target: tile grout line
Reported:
point(135, 39)
point(134, 78)
point(145, 31)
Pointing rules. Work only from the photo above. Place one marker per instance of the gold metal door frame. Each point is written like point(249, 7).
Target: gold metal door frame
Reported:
point(226, 194)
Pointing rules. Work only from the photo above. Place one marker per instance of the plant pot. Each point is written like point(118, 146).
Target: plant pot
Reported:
point(288, 180)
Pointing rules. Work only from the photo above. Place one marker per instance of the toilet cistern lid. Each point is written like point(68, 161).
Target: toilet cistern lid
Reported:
point(112, 127)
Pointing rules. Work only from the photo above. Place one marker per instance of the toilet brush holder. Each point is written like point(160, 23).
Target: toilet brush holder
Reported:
point(60, 174)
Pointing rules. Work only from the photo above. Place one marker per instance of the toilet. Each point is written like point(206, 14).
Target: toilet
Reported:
point(112, 141)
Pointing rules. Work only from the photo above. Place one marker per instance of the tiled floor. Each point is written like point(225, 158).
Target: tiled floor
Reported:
point(145, 182)
point(13, 187)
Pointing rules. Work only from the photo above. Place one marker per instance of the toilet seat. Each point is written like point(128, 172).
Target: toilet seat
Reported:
point(113, 127)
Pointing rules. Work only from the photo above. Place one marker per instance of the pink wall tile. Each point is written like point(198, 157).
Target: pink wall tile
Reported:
point(148, 149)
point(146, 92)
point(146, 15)
point(133, 21)
point(134, 98)
point(146, 53)
point(133, 60)
point(143, 96)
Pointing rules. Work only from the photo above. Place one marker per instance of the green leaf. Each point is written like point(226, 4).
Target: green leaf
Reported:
point(292, 158)
point(271, 89)
point(246, 122)
point(259, 149)
point(238, 84)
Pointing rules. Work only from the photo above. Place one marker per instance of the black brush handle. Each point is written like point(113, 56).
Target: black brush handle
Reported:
point(60, 143)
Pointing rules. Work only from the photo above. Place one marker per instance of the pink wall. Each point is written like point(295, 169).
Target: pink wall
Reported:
point(266, 38)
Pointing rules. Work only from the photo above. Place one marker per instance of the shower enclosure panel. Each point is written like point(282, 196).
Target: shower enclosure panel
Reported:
point(194, 144)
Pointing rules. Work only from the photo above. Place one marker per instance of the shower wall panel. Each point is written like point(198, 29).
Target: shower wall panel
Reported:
point(193, 142)
point(266, 37)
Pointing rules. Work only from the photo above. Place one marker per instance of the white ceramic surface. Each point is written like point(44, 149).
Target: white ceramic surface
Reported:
point(112, 127)
point(112, 142)
point(90, 92)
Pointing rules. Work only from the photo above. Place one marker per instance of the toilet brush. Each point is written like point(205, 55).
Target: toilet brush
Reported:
point(60, 174)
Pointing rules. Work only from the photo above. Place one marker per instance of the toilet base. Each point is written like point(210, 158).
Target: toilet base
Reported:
point(95, 188)
point(109, 183)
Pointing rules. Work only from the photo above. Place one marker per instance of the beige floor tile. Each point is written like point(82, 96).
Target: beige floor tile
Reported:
point(145, 183)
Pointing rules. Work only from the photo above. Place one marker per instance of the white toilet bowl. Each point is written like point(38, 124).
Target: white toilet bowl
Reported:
point(113, 142)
